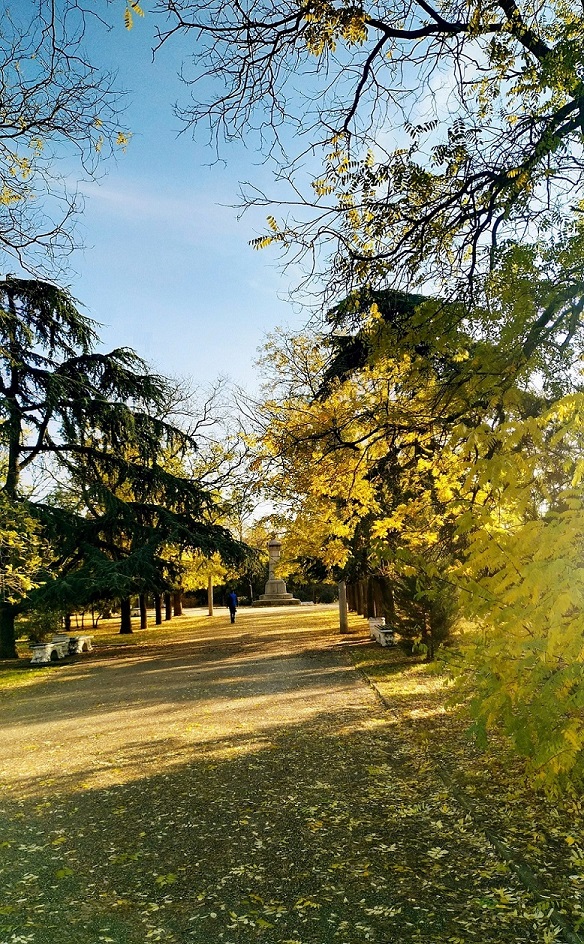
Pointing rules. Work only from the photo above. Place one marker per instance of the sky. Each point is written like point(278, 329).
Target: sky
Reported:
point(166, 267)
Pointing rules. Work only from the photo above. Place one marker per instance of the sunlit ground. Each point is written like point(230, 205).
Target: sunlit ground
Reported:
point(194, 687)
point(216, 784)
point(194, 622)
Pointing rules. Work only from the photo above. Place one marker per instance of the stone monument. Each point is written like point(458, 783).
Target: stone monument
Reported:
point(276, 593)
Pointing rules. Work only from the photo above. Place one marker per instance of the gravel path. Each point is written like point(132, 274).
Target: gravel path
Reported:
point(236, 789)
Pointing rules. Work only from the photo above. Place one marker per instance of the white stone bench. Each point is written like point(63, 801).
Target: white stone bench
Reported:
point(383, 634)
point(60, 646)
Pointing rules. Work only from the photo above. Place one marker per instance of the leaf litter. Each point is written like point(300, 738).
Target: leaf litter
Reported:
point(253, 788)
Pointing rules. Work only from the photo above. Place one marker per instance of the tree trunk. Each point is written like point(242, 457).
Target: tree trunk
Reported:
point(343, 619)
point(125, 616)
point(158, 609)
point(428, 638)
point(177, 602)
point(377, 593)
point(143, 614)
point(370, 597)
point(359, 598)
point(351, 597)
point(388, 601)
point(167, 606)
point(364, 583)
point(210, 595)
point(7, 634)
point(362, 601)
point(67, 622)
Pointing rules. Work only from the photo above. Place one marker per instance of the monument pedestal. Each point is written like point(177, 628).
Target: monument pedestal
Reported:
point(281, 599)
point(276, 593)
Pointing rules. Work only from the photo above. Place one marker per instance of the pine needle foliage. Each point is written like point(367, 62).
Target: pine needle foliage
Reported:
point(95, 417)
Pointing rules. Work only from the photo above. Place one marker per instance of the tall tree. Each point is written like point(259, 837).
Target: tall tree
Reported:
point(466, 492)
point(94, 416)
point(359, 452)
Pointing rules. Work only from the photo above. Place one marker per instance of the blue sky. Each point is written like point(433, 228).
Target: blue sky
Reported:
point(167, 268)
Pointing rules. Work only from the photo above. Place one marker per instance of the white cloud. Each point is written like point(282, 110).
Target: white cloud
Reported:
point(189, 211)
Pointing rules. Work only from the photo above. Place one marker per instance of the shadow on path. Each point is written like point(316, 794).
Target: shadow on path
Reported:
point(233, 791)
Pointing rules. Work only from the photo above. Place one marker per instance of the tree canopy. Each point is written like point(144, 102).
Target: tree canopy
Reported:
point(398, 455)
point(448, 129)
point(57, 105)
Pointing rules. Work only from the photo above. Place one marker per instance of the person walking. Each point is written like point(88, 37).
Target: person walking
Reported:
point(232, 604)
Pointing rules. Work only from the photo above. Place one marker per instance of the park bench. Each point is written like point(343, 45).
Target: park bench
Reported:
point(60, 646)
point(383, 634)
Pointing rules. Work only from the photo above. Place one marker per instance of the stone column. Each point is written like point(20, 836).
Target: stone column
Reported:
point(274, 549)
point(274, 587)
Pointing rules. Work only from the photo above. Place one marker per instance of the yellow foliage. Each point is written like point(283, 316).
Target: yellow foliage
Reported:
point(491, 504)
point(524, 579)
point(123, 139)
point(132, 7)
point(9, 197)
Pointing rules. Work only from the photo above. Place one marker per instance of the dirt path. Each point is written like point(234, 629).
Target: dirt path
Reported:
point(235, 789)
point(103, 722)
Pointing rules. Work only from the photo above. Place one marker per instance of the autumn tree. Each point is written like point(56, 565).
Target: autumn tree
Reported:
point(436, 149)
point(447, 129)
point(25, 554)
point(465, 493)
point(356, 450)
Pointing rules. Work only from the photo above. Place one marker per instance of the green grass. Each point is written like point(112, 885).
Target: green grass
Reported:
point(21, 675)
